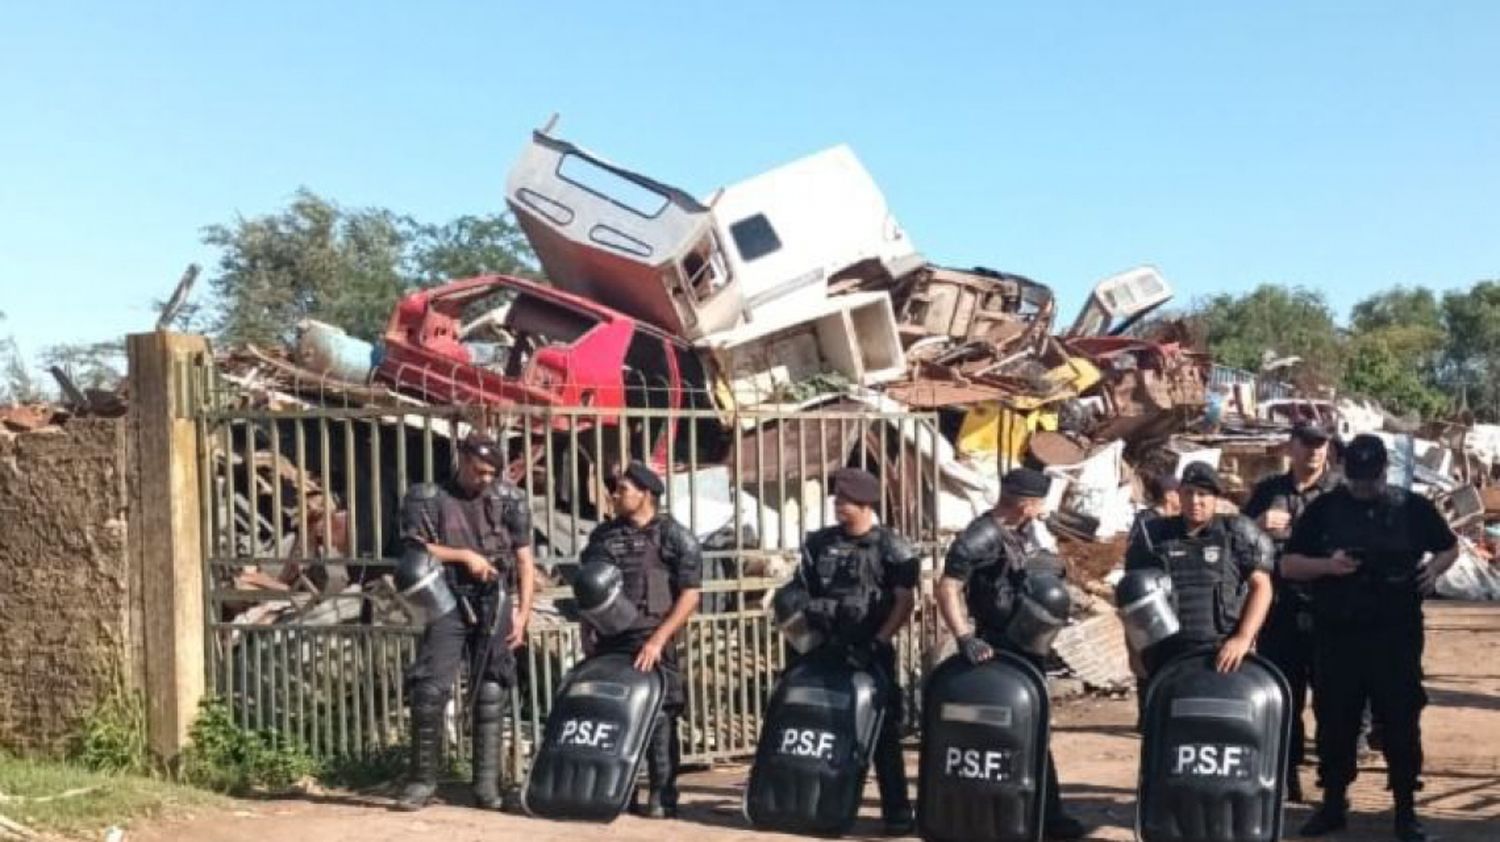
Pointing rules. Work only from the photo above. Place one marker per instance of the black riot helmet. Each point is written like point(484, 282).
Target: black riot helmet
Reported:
point(421, 585)
point(789, 608)
point(1144, 600)
point(599, 589)
point(1041, 611)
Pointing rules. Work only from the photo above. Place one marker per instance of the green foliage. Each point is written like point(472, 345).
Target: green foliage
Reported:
point(91, 365)
point(1377, 366)
point(113, 736)
point(465, 247)
point(65, 798)
point(346, 266)
point(1274, 321)
point(16, 383)
point(1471, 357)
point(223, 757)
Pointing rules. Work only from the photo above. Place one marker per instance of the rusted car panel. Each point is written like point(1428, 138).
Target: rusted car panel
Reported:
point(567, 351)
point(1146, 377)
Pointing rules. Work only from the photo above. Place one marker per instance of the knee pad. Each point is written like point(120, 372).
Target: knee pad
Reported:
point(426, 694)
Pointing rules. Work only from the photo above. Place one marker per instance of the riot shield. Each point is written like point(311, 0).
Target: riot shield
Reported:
point(983, 770)
point(595, 737)
point(1214, 752)
point(815, 745)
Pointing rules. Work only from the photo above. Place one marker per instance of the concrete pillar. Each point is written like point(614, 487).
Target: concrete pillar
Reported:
point(167, 540)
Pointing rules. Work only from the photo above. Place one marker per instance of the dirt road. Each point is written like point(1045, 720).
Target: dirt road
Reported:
point(1097, 756)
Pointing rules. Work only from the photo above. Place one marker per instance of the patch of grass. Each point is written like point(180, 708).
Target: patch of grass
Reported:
point(113, 736)
point(223, 757)
point(68, 799)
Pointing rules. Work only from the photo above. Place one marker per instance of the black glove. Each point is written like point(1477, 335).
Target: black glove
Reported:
point(974, 649)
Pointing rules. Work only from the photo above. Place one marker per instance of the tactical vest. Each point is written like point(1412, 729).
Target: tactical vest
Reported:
point(646, 580)
point(848, 570)
point(1206, 589)
point(449, 518)
point(1383, 590)
point(991, 594)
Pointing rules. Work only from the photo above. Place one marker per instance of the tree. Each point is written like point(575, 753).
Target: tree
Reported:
point(1471, 355)
point(1395, 351)
point(1376, 366)
point(1278, 321)
point(1398, 306)
point(16, 382)
point(348, 267)
point(312, 260)
point(90, 365)
point(468, 246)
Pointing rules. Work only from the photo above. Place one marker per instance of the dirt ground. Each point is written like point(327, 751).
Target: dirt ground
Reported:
point(1097, 756)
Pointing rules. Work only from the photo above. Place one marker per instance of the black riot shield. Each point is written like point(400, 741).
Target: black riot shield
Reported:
point(1213, 752)
point(815, 745)
point(983, 770)
point(595, 736)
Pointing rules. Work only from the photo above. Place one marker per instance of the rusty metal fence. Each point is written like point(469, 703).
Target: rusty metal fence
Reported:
point(306, 640)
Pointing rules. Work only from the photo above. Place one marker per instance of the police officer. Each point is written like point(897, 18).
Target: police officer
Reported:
point(1161, 497)
point(861, 578)
point(985, 567)
point(661, 566)
point(1220, 567)
point(1287, 637)
point(479, 526)
point(1361, 546)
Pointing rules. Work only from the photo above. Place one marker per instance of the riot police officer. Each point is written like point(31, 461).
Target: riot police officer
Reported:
point(1220, 570)
point(1361, 546)
point(1287, 637)
point(661, 566)
point(986, 567)
point(478, 525)
point(861, 577)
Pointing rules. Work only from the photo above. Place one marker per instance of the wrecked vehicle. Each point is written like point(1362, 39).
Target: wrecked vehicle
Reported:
point(792, 229)
point(635, 245)
point(1121, 301)
point(565, 351)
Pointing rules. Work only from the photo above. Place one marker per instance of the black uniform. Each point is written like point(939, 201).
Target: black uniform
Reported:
point(1287, 638)
point(1370, 637)
point(992, 562)
point(1210, 574)
point(852, 583)
point(495, 523)
point(657, 563)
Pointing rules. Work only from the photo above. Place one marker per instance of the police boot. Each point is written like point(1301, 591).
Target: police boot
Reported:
point(661, 771)
point(426, 749)
point(1408, 827)
point(1057, 824)
point(488, 709)
point(1332, 815)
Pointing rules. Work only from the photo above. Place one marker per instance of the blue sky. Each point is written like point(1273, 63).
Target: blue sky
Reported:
point(1344, 146)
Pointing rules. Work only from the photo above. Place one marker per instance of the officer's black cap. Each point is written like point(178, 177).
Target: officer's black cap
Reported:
point(1202, 476)
point(856, 486)
point(481, 446)
point(1365, 458)
point(643, 478)
point(1027, 483)
point(1311, 433)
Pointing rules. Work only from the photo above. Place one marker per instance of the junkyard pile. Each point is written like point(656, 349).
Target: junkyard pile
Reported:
point(796, 292)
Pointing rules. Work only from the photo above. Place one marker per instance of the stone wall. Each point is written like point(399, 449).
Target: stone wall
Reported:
point(69, 616)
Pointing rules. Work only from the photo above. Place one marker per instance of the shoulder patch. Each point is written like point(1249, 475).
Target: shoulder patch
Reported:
point(422, 491)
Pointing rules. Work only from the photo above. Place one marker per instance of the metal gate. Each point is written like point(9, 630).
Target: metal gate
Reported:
point(306, 641)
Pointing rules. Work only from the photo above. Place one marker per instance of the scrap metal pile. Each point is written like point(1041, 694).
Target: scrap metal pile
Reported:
point(793, 291)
